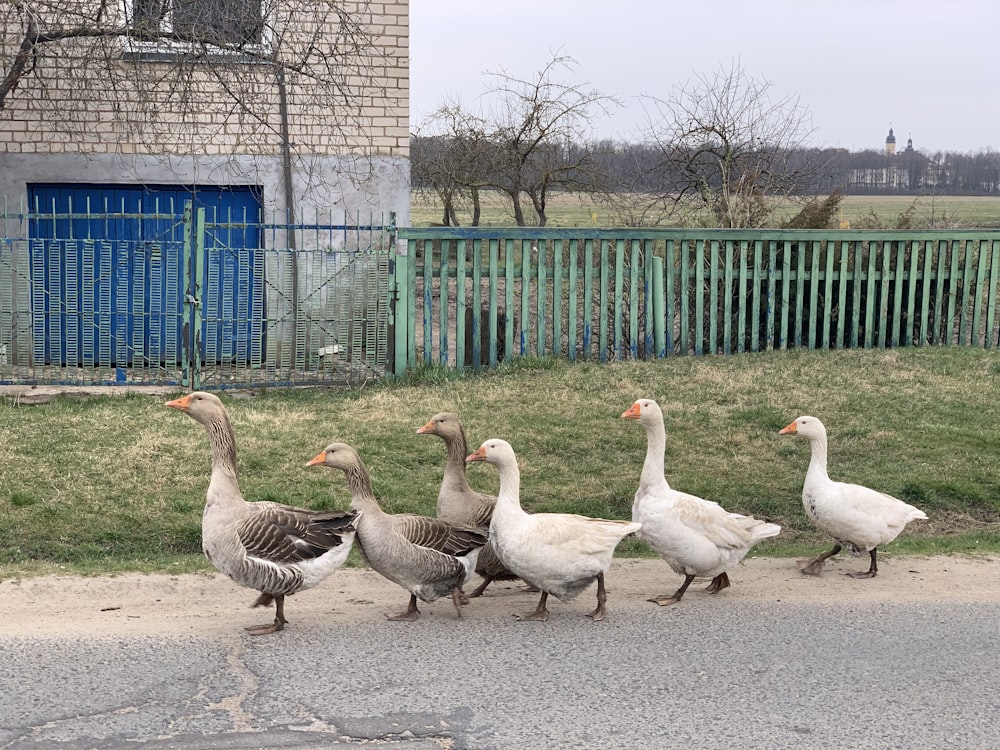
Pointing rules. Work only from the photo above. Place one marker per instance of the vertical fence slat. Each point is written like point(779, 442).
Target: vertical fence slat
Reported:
point(443, 311)
point(633, 301)
point(800, 292)
point(699, 297)
point(619, 295)
point(953, 293)
point(991, 294)
point(727, 296)
point(772, 252)
point(684, 292)
point(912, 272)
point(669, 308)
point(828, 294)
point(758, 250)
point(493, 290)
point(659, 310)
point(742, 299)
point(786, 290)
point(977, 333)
point(588, 296)
point(461, 306)
point(602, 312)
point(557, 297)
point(541, 290)
point(883, 304)
point(842, 293)
point(508, 293)
point(522, 346)
point(813, 291)
point(713, 298)
point(574, 282)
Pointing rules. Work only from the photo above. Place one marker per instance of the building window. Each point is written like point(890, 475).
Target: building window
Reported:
point(217, 23)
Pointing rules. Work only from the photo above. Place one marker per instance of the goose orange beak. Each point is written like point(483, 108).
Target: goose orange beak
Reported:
point(181, 404)
point(319, 458)
point(789, 430)
point(632, 412)
point(478, 455)
point(429, 427)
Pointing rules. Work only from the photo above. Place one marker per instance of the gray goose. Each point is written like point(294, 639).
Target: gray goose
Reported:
point(457, 502)
point(274, 548)
point(427, 556)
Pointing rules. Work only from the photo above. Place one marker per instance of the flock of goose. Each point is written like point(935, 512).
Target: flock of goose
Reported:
point(279, 549)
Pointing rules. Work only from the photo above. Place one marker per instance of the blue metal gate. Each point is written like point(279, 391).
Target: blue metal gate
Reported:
point(112, 257)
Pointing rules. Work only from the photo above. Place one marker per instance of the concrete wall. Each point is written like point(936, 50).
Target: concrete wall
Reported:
point(141, 121)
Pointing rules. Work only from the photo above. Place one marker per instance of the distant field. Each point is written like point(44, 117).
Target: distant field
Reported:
point(568, 210)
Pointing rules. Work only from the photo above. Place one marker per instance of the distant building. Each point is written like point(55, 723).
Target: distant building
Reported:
point(892, 172)
point(890, 144)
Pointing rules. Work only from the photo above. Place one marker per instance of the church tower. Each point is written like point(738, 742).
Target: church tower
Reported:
point(890, 144)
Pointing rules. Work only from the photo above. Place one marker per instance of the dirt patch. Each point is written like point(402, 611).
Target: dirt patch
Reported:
point(140, 604)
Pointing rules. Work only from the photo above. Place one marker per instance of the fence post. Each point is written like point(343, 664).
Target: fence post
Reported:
point(186, 302)
point(197, 286)
point(399, 307)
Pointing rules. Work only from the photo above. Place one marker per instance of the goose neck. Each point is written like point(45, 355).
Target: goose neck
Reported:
point(454, 471)
point(360, 483)
point(509, 494)
point(656, 444)
point(817, 461)
point(223, 442)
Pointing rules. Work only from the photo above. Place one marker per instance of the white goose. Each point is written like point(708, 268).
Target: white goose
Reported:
point(559, 553)
point(857, 517)
point(697, 538)
point(274, 548)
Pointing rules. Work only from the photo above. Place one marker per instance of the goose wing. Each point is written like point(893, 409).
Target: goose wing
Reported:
point(284, 534)
point(713, 522)
point(433, 533)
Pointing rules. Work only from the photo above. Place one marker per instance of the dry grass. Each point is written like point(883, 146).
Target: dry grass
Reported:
point(113, 483)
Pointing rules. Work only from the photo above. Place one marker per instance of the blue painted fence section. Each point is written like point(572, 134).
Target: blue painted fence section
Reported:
point(210, 296)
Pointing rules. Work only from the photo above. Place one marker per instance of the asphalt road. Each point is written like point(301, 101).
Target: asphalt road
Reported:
point(712, 672)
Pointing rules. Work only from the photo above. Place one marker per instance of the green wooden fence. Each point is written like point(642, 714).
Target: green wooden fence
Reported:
point(471, 298)
point(320, 302)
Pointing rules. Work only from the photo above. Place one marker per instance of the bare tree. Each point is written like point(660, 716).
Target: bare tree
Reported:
point(726, 146)
point(182, 76)
point(540, 130)
point(530, 140)
point(453, 162)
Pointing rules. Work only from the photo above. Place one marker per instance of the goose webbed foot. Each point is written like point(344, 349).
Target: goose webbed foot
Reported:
point(541, 614)
point(409, 615)
point(814, 566)
point(459, 599)
point(279, 615)
point(718, 583)
point(871, 572)
point(598, 614)
point(666, 600)
point(478, 591)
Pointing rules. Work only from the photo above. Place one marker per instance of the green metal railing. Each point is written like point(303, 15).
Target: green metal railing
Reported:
point(471, 298)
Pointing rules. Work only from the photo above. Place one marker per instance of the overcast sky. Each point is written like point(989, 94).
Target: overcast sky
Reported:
point(930, 68)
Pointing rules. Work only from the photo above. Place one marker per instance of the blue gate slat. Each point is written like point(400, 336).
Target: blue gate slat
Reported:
point(39, 317)
point(103, 303)
point(71, 334)
point(57, 250)
point(88, 319)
